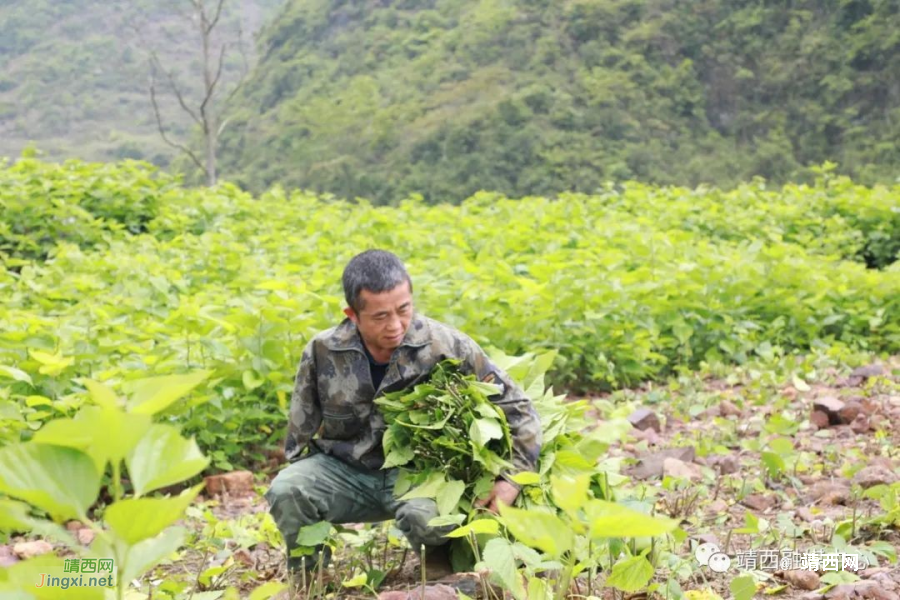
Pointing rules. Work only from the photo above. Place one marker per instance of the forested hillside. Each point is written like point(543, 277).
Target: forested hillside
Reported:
point(446, 97)
point(74, 74)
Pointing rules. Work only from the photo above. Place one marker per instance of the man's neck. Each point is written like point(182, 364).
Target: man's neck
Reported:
point(382, 357)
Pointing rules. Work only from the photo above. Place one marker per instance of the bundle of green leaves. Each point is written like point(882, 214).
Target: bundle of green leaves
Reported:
point(448, 427)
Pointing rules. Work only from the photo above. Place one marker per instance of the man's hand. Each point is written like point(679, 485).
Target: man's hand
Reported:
point(503, 491)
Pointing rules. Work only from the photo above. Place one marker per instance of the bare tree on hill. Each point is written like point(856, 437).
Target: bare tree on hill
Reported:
point(207, 113)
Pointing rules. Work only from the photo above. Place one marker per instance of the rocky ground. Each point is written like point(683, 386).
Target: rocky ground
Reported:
point(748, 461)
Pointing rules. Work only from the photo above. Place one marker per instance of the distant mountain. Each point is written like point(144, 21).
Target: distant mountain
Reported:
point(74, 73)
point(382, 98)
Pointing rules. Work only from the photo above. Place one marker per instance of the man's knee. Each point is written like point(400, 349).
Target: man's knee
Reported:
point(412, 519)
point(291, 500)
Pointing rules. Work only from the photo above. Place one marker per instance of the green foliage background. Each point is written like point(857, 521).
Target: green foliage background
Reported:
point(448, 97)
point(630, 284)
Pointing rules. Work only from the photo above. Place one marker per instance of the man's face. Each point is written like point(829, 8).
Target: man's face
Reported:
point(384, 319)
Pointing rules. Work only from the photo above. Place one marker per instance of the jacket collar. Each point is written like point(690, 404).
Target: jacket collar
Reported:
point(346, 335)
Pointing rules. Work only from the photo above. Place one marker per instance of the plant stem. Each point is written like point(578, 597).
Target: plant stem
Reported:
point(422, 557)
point(116, 481)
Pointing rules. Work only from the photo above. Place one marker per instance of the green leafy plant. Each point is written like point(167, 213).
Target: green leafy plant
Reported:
point(59, 474)
point(447, 433)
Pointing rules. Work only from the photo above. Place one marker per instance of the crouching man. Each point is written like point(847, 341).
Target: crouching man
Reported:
point(334, 439)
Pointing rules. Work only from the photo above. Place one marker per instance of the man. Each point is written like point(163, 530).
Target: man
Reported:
point(382, 346)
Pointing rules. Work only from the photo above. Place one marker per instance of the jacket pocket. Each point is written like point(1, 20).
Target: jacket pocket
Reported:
point(340, 423)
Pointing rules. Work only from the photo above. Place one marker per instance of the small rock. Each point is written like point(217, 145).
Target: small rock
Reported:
point(831, 406)
point(74, 526)
point(718, 506)
point(759, 502)
point(648, 435)
point(810, 596)
point(434, 592)
point(651, 465)
point(829, 492)
point(850, 411)
point(874, 475)
point(725, 465)
point(243, 556)
point(870, 406)
point(235, 483)
point(819, 419)
point(393, 595)
point(861, 590)
point(26, 550)
point(85, 536)
point(467, 583)
point(644, 418)
point(672, 467)
point(871, 572)
point(7, 558)
point(803, 580)
point(276, 454)
point(867, 371)
point(806, 514)
point(860, 424)
point(790, 392)
point(886, 582)
point(727, 408)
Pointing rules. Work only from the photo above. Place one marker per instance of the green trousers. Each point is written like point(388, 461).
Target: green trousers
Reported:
point(323, 488)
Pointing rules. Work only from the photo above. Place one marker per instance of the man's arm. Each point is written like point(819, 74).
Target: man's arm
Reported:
point(524, 424)
point(305, 414)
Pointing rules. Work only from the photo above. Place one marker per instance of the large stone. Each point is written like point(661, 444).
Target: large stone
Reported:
point(651, 465)
point(236, 483)
point(644, 418)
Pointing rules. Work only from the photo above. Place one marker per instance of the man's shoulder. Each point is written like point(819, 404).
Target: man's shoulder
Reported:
point(445, 335)
point(340, 337)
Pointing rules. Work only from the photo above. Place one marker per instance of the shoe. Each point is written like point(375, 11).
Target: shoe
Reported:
point(437, 562)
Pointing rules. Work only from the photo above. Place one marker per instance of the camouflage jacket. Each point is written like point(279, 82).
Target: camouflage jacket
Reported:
point(333, 392)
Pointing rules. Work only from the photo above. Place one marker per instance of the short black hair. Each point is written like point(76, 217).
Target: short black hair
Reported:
point(374, 270)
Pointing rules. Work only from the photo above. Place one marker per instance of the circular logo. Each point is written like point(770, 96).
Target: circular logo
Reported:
point(719, 562)
point(704, 551)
